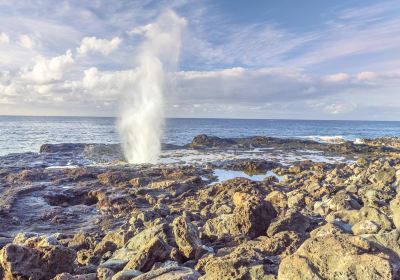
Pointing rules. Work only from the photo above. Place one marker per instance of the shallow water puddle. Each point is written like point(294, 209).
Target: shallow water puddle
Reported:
point(223, 175)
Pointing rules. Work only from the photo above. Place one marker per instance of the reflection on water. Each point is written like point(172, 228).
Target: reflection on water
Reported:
point(224, 175)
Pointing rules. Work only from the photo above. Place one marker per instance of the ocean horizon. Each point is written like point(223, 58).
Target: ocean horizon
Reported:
point(28, 133)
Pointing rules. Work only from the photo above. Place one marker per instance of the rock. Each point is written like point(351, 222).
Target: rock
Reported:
point(67, 276)
point(241, 263)
point(114, 264)
point(187, 238)
point(36, 263)
point(86, 257)
point(388, 242)
point(277, 199)
point(137, 241)
point(365, 227)
point(81, 241)
point(204, 141)
point(281, 244)
point(343, 201)
point(291, 221)
point(327, 229)
point(33, 240)
point(250, 218)
point(383, 177)
point(336, 257)
point(104, 273)
point(170, 273)
point(395, 209)
point(126, 274)
point(155, 250)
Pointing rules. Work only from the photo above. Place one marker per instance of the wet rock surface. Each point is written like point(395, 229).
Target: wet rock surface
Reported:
point(105, 219)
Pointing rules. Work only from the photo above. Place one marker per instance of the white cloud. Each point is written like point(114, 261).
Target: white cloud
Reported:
point(26, 41)
point(139, 30)
point(367, 75)
point(49, 70)
point(4, 39)
point(103, 46)
point(338, 77)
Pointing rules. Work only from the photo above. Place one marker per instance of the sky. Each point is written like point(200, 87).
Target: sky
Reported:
point(308, 59)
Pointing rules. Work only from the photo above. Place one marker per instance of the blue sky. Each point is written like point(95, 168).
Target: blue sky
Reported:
point(308, 59)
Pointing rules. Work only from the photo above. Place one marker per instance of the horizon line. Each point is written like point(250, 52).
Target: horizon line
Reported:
point(211, 118)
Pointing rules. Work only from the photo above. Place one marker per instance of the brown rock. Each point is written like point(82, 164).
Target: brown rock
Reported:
point(187, 238)
point(155, 250)
point(36, 263)
point(336, 257)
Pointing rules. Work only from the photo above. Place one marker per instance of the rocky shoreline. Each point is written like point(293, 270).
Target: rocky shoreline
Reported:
point(305, 219)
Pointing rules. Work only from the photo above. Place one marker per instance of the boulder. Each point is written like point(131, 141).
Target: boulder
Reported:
point(244, 262)
point(395, 209)
point(336, 257)
point(114, 264)
point(104, 273)
point(171, 273)
point(383, 177)
point(127, 274)
point(137, 241)
point(67, 276)
point(250, 218)
point(36, 263)
point(187, 238)
point(291, 221)
point(155, 250)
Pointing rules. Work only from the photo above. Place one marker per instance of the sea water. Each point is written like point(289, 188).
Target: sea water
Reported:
point(26, 134)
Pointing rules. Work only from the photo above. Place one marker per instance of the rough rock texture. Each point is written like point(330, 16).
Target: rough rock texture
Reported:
point(187, 238)
point(250, 218)
point(35, 263)
point(337, 257)
point(308, 220)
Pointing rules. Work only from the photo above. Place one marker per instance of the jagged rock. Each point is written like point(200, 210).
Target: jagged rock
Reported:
point(250, 218)
point(114, 264)
point(383, 177)
point(81, 241)
point(291, 221)
point(241, 263)
point(388, 242)
point(395, 209)
point(137, 241)
point(282, 243)
point(67, 276)
point(154, 250)
point(85, 257)
point(126, 274)
point(365, 227)
point(187, 238)
point(277, 199)
point(173, 272)
point(104, 273)
point(336, 257)
point(36, 263)
point(32, 240)
point(326, 229)
point(205, 141)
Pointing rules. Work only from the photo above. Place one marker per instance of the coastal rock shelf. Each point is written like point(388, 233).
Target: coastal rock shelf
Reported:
point(240, 208)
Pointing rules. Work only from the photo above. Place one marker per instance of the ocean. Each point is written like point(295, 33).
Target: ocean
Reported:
point(26, 134)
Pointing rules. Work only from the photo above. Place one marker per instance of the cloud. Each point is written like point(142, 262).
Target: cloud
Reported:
point(339, 77)
point(366, 75)
point(103, 46)
point(49, 70)
point(4, 39)
point(26, 41)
